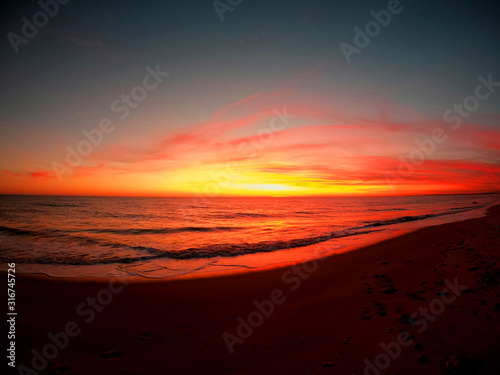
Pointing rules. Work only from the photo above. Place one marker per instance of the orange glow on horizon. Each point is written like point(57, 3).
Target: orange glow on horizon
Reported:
point(280, 150)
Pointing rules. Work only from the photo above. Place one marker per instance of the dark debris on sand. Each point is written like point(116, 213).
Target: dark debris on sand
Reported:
point(328, 365)
point(460, 364)
point(389, 291)
point(490, 277)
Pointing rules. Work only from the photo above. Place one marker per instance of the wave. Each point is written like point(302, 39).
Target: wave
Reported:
point(210, 251)
point(404, 219)
point(138, 231)
point(130, 231)
point(250, 214)
point(120, 215)
point(398, 220)
point(237, 215)
point(58, 205)
point(387, 209)
point(18, 232)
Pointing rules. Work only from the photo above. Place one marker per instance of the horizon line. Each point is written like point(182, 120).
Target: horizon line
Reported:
point(250, 196)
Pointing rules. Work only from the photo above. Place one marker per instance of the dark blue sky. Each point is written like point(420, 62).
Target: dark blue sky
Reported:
point(91, 43)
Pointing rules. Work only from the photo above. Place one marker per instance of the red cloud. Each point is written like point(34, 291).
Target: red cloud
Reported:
point(42, 175)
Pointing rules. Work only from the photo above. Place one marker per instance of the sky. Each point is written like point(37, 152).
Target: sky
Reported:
point(249, 98)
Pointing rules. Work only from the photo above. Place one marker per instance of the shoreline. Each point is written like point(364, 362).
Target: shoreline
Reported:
point(329, 316)
point(240, 269)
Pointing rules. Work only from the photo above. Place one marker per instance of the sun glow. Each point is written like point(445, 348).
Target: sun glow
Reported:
point(269, 187)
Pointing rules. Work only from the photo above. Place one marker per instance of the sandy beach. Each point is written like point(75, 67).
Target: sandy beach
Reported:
point(426, 302)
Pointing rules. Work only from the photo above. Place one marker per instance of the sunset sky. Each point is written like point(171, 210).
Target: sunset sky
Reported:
point(261, 103)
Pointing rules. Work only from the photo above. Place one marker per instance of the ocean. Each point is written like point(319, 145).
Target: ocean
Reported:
point(64, 236)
